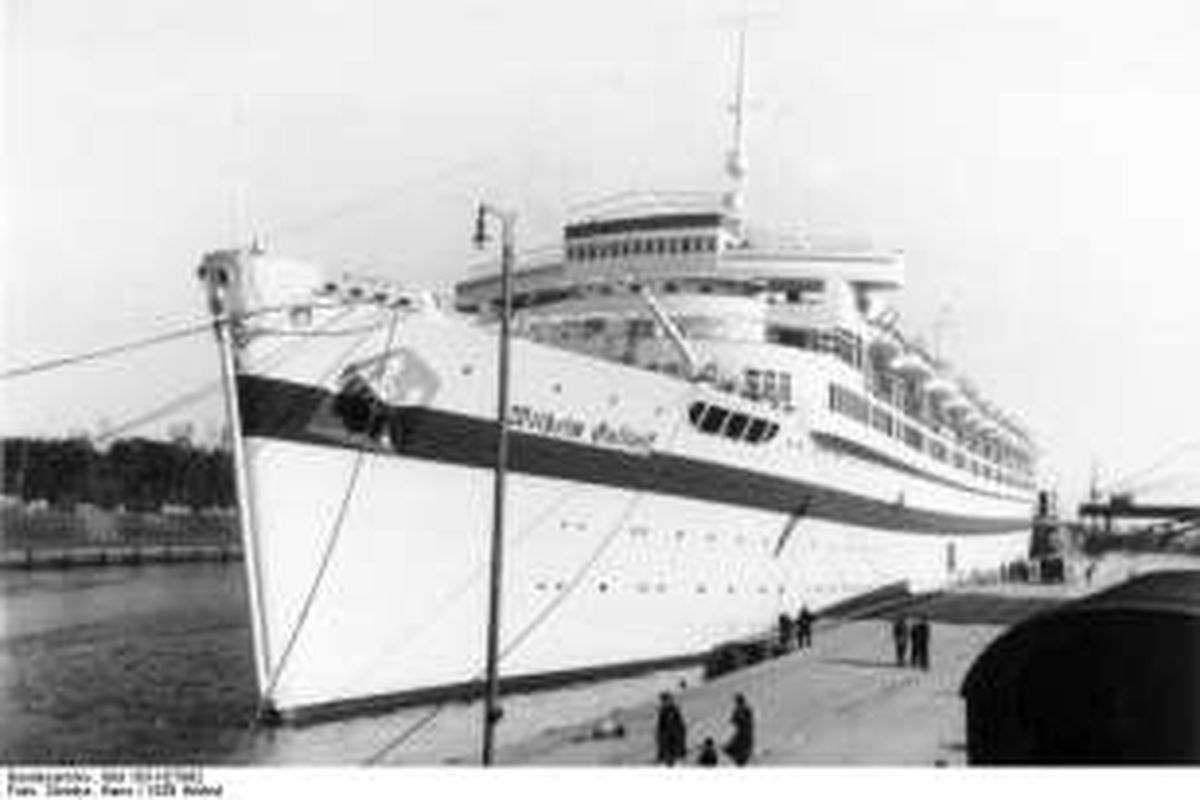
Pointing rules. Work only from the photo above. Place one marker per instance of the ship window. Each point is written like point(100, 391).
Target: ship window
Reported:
point(713, 419)
point(685, 245)
point(756, 430)
point(736, 425)
point(753, 383)
point(696, 412)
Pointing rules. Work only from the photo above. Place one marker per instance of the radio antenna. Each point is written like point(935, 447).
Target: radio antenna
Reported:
point(735, 160)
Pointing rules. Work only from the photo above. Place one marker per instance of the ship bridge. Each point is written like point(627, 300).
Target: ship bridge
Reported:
point(644, 239)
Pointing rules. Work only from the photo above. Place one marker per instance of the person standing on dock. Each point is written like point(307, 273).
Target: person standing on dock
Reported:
point(920, 633)
point(786, 633)
point(741, 746)
point(671, 733)
point(900, 640)
point(804, 623)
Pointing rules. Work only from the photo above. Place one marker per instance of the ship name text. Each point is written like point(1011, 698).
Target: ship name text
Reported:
point(561, 426)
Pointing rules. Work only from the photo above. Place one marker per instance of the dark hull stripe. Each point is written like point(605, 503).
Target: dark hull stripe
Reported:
point(466, 691)
point(299, 413)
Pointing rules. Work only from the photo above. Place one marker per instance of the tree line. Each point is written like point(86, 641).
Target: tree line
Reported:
point(137, 474)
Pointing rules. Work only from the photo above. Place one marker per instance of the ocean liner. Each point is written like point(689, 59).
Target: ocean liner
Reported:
point(708, 426)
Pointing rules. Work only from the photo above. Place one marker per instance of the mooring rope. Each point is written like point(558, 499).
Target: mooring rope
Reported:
point(107, 352)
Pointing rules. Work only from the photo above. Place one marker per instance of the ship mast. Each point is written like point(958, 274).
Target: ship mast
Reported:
point(735, 159)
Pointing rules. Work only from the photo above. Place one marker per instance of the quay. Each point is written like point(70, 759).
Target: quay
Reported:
point(843, 701)
point(91, 555)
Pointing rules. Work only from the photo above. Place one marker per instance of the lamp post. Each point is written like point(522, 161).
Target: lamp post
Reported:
point(491, 708)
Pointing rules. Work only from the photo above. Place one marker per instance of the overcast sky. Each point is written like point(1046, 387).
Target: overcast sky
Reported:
point(1037, 161)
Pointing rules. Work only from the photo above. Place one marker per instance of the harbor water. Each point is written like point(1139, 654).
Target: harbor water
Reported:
point(153, 664)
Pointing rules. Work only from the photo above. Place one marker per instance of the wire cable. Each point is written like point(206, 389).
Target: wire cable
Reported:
point(326, 556)
point(106, 352)
point(545, 613)
point(182, 332)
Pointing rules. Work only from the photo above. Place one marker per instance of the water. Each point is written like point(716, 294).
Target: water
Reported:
point(153, 664)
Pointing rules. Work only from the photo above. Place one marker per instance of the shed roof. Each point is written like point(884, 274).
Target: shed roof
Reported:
point(1158, 595)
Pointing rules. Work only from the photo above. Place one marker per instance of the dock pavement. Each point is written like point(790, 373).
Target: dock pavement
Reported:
point(842, 702)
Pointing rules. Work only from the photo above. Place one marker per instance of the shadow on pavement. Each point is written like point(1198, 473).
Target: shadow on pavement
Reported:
point(970, 608)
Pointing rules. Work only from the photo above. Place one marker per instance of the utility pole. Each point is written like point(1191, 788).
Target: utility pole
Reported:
point(491, 707)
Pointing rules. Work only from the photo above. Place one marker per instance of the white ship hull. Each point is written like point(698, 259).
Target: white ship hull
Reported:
point(631, 536)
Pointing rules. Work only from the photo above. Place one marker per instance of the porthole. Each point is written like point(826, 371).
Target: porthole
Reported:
point(603, 586)
point(468, 369)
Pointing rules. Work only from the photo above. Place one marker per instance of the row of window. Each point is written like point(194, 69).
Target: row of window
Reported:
point(720, 421)
point(844, 344)
point(710, 537)
point(899, 391)
point(849, 403)
point(768, 384)
point(589, 251)
point(648, 587)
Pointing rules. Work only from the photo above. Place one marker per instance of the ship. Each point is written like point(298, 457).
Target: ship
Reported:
point(706, 426)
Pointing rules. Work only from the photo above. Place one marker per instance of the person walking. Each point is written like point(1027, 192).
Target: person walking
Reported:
point(804, 623)
point(708, 754)
point(741, 746)
point(900, 640)
point(671, 733)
